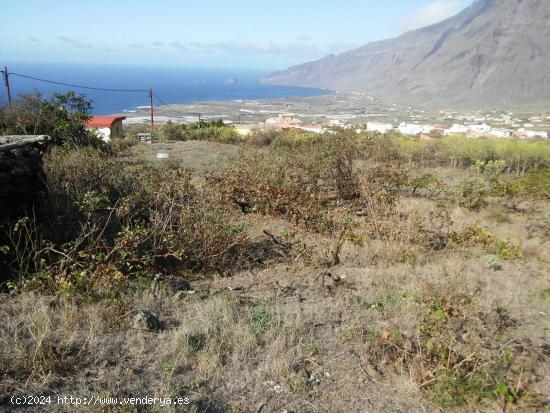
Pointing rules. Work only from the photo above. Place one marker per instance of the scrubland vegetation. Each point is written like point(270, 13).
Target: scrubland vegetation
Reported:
point(335, 272)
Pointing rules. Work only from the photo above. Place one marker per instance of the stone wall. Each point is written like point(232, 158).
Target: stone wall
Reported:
point(22, 186)
point(21, 177)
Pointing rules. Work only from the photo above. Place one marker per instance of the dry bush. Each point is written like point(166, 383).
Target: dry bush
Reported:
point(299, 179)
point(379, 148)
point(426, 185)
point(332, 157)
point(77, 171)
point(120, 146)
point(268, 184)
point(341, 153)
point(474, 235)
point(263, 137)
point(189, 224)
point(379, 190)
point(120, 223)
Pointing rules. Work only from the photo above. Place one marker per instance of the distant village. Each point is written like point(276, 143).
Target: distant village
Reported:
point(356, 111)
point(475, 127)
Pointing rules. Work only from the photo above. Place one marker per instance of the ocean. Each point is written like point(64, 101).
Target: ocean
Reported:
point(170, 84)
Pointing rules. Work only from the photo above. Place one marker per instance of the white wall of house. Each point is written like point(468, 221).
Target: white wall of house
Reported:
point(412, 129)
point(531, 134)
point(456, 129)
point(379, 127)
point(313, 129)
point(480, 128)
point(103, 133)
point(500, 133)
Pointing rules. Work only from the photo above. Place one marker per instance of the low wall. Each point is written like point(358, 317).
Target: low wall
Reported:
point(22, 185)
point(21, 176)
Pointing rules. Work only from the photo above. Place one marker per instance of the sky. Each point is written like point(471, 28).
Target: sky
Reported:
point(251, 34)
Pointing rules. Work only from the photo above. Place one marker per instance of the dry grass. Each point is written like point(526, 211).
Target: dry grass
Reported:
point(413, 315)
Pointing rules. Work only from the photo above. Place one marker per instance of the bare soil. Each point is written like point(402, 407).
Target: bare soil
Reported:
point(197, 155)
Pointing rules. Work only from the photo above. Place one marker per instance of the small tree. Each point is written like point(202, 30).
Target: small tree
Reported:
point(62, 117)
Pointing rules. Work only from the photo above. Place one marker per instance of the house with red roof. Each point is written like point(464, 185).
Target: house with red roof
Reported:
point(107, 127)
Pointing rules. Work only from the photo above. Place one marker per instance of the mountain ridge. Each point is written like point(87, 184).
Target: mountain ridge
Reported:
point(495, 52)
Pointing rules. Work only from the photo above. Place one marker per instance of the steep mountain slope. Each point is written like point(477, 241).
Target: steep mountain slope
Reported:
point(496, 52)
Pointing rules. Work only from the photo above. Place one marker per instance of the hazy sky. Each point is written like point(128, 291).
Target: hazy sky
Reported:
point(232, 34)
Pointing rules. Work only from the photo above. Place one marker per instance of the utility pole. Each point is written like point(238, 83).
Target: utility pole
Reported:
point(152, 115)
point(7, 83)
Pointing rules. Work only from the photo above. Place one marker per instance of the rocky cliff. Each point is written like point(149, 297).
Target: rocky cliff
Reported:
point(495, 53)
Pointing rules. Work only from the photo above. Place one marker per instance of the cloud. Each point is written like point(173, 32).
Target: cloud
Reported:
point(179, 46)
point(81, 44)
point(248, 48)
point(432, 13)
point(33, 39)
point(301, 50)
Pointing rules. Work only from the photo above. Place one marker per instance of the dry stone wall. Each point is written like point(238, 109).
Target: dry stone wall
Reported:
point(21, 177)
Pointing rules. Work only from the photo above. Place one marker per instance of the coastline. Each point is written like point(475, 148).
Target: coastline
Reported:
point(334, 108)
point(353, 107)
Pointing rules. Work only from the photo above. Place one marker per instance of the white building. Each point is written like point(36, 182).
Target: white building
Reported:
point(106, 127)
point(500, 133)
point(531, 134)
point(379, 127)
point(339, 123)
point(412, 129)
point(314, 129)
point(456, 129)
point(480, 129)
point(284, 121)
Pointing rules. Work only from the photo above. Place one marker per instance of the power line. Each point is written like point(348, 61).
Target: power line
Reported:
point(102, 90)
point(78, 86)
point(168, 105)
point(172, 108)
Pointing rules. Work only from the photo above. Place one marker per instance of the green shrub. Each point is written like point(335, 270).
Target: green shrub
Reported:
point(62, 117)
point(474, 235)
point(211, 131)
point(520, 156)
point(535, 184)
point(471, 194)
point(490, 170)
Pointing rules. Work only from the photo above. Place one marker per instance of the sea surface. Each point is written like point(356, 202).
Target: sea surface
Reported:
point(170, 84)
